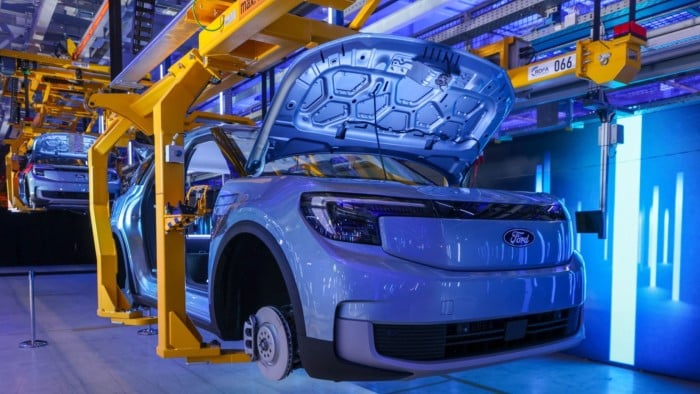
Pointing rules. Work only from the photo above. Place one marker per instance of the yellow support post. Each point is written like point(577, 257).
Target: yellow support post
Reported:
point(178, 337)
point(177, 334)
point(9, 180)
point(18, 147)
point(111, 301)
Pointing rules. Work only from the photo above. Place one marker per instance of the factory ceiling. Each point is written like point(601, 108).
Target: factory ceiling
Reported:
point(49, 27)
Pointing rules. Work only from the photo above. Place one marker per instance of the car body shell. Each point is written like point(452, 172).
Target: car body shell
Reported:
point(375, 310)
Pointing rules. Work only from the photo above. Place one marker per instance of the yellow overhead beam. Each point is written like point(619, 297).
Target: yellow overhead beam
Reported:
point(54, 61)
point(601, 61)
point(268, 47)
point(363, 14)
point(111, 301)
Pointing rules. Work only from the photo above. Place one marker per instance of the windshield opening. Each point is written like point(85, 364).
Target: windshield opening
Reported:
point(60, 160)
point(355, 166)
point(62, 144)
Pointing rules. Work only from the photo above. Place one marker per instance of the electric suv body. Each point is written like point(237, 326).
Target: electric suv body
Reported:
point(56, 173)
point(344, 240)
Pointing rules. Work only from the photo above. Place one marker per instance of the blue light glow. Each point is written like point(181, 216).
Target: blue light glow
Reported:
point(579, 207)
point(547, 173)
point(625, 258)
point(666, 220)
point(677, 228)
point(653, 236)
point(538, 178)
point(640, 234)
point(606, 241)
point(221, 103)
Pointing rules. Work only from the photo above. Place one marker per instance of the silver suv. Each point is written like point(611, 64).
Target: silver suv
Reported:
point(56, 173)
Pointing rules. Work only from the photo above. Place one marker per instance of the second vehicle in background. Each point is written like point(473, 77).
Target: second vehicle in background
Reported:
point(56, 173)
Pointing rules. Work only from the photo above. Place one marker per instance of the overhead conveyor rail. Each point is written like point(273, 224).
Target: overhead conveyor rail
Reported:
point(600, 61)
point(238, 39)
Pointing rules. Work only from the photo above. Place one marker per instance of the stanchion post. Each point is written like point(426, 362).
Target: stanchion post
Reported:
point(32, 343)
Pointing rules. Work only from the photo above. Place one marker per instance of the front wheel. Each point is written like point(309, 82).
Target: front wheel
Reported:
point(268, 340)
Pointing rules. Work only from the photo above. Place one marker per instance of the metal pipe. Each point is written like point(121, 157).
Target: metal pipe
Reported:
point(171, 37)
point(26, 94)
point(633, 10)
point(90, 32)
point(596, 20)
point(130, 153)
point(604, 140)
point(32, 318)
point(32, 310)
point(263, 81)
point(115, 38)
point(604, 136)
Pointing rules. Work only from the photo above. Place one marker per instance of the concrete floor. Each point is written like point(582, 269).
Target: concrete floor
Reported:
point(88, 354)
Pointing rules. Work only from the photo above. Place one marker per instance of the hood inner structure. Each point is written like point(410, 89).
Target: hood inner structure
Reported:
point(394, 96)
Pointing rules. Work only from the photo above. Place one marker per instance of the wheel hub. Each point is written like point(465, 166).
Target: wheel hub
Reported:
point(266, 344)
point(268, 340)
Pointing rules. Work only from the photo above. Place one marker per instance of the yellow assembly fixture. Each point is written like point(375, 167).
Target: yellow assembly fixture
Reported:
point(51, 94)
point(238, 39)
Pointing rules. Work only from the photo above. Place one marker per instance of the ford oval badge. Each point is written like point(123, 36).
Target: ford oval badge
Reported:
point(518, 237)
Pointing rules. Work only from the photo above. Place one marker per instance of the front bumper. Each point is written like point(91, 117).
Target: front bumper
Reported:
point(456, 321)
point(65, 194)
point(437, 349)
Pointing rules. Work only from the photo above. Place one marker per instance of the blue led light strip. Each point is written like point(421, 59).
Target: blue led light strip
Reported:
point(677, 227)
point(625, 240)
point(666, 230)
point(653, 236)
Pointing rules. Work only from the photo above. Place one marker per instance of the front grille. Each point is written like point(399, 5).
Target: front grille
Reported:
point(498, 211)
point(65, 195)
point(466, 339)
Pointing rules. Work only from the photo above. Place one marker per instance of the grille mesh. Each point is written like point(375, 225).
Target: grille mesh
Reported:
point(456, 340)
point(66, 195)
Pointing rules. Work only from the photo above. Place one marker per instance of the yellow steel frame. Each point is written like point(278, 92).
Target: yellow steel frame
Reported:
point(601, 61)
point(55, 62)
point(62, 86)
point(239, 40)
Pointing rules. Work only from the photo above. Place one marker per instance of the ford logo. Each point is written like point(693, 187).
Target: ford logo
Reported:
point(518, 237)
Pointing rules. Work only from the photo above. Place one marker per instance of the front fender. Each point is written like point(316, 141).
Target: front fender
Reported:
point(263, 233)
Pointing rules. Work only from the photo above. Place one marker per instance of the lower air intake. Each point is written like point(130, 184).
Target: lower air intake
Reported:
point(467, 339)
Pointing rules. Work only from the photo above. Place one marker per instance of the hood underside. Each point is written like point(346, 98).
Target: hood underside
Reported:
point(407, 98)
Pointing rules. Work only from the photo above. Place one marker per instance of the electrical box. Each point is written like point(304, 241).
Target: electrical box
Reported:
point(174, 154)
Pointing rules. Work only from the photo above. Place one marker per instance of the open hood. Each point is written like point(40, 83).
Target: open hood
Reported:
point(413, 99)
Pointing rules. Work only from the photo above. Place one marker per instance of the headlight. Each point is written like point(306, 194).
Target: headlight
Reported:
point(354, 218)
point(37, 171)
